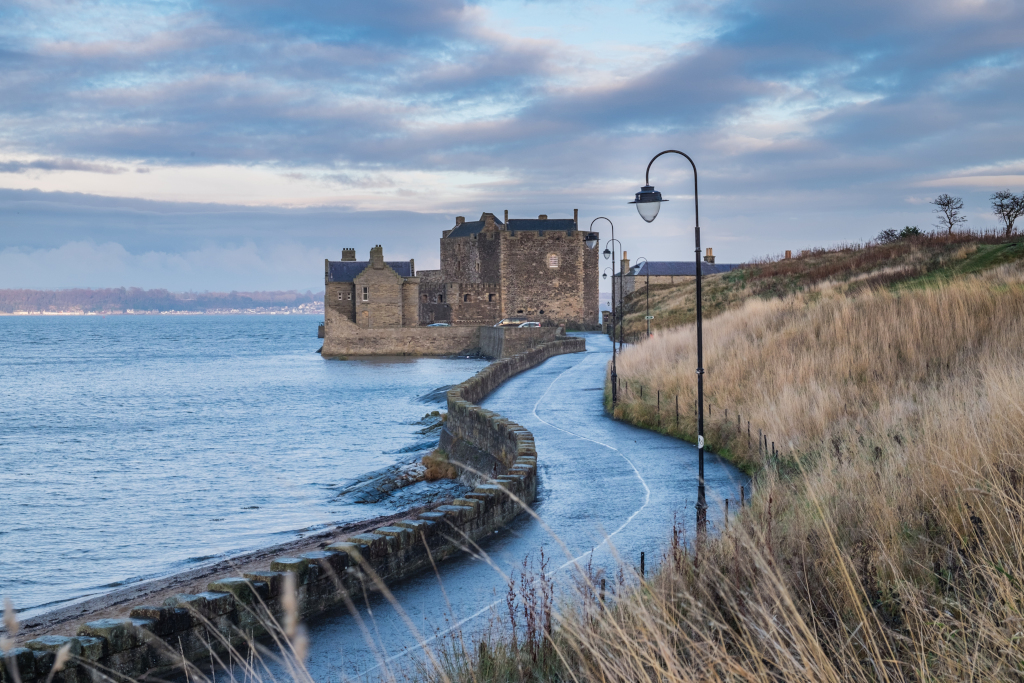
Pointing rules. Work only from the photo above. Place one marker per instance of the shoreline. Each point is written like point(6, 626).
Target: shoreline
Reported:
point(65, 620)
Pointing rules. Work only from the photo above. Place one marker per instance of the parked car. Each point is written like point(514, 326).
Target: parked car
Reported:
point(439, 325)
point(530, 324)
point(510, 322)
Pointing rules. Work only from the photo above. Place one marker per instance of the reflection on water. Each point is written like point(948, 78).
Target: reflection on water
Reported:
point(136, 446)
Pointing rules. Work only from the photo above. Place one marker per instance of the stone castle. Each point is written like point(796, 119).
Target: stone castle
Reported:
point(537, 269)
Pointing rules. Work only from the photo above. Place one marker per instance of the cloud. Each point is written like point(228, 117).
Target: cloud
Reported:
point(809, 121)
point(58, 165)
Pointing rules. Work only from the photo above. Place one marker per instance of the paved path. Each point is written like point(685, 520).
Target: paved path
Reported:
point(602, 484)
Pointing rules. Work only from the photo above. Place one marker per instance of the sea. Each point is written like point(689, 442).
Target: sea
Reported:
point(137, 446)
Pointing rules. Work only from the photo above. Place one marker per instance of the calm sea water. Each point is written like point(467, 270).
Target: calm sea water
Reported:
point(136, 446)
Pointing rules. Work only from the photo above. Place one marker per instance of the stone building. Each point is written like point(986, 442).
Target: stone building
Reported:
point(635, 278)
point(538, 268)
point(370, 294)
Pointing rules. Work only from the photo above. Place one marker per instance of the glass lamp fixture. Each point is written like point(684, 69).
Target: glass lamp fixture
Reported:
point(607, 252)
point(648, 202)
point(591, 240)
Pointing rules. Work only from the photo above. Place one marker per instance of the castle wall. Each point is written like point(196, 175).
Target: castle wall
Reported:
point(475, 259)
point(343, 338)
point(384, 305)
point(339, 297)
point(410, 302)
point(475, 303)
point(531, 288)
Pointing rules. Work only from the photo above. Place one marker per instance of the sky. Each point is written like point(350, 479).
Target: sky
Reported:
point(235, 144)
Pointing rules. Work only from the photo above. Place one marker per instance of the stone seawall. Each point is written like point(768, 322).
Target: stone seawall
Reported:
point(505, 342)
point(152, 640)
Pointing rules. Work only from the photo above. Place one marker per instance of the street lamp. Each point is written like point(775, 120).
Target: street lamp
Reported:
point(609, 254)
point(648, 288)
point(648, 203)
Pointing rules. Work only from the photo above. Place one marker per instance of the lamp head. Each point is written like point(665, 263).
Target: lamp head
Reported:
point(607, 252)
point(604, 276)
point(648, 202)
point(591, 240)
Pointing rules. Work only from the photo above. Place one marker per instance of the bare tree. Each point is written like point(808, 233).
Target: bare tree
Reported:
point(949, 209)
point(1009, 207)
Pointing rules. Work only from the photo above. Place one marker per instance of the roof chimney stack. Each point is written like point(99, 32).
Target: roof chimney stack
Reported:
point(576, 216)
point(506, 216)
point(542, 217)
point(459, 220)
point(377, 258)
point(348, 254)
point(709, 257)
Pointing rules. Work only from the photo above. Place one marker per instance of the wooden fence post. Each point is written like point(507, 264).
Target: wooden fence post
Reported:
point(677, 411)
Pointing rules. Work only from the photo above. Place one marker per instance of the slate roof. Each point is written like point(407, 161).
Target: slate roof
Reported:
point(346, 271)
point(474, 227)
point(684, 268)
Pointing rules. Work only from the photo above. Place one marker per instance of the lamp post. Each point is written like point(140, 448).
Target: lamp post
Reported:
point(648, 203)
point(647, 287)
point(609, 254)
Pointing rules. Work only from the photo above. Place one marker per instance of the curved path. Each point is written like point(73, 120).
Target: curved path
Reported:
point(606, 488)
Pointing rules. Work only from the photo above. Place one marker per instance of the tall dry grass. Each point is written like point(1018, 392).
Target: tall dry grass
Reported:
point(885, 543)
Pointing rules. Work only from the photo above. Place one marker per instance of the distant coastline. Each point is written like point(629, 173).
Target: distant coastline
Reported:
point(137, 301)
point(304, 309)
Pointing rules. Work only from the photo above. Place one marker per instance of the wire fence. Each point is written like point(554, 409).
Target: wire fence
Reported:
point(664, 411)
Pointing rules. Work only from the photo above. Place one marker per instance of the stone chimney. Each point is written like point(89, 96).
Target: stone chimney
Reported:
point(377, 258)
point(542, 217)
point(348, 254)
point(412, 266)
point(489, 221)
point(624, 266)
point(459, 220)
point(708, 256)
point(576, 216)
point(789, 254)
point(506, 217)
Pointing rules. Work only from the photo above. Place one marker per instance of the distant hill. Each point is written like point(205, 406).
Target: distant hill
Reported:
point(134, 299)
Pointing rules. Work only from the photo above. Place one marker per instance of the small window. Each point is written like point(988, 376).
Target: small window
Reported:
point(426, 298)
point(552, 260)
point(341, 296)
point(366, 293)
point(440, 298)
point(490, 297)
point(519, 311)
point(349, 296)
point(465, 297)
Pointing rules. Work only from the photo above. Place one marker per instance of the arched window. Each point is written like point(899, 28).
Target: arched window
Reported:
point(440, 298)
point(552, 260)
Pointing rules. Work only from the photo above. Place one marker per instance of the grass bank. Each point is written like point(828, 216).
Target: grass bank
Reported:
point(885, 538)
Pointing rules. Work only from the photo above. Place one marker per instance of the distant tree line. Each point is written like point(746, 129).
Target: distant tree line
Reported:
point(133, 298)
point(1006, 205)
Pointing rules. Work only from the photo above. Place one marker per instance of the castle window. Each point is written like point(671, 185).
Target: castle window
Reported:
point(426, 298)
point(490, 297)
point(440, 298)
point(366, 293)
point(349, 296)
point(552, 260)
point(341, 296)
point(465, 297)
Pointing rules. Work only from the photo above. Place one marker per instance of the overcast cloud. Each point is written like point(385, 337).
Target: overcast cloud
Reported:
point(235, 144)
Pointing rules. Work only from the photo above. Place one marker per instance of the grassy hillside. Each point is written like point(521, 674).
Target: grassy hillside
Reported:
point(885, 538)
point(847, 268)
